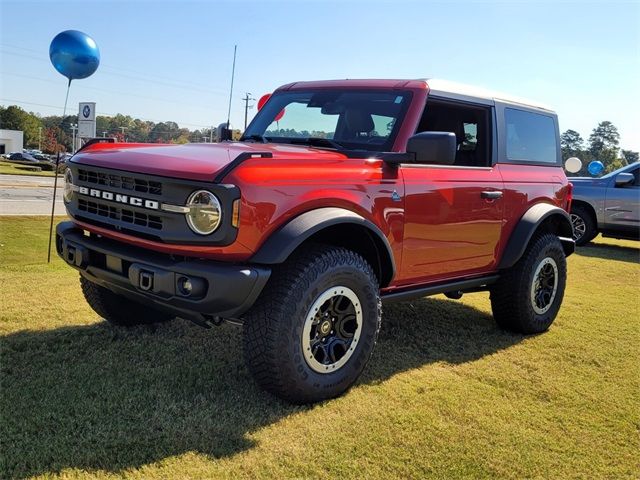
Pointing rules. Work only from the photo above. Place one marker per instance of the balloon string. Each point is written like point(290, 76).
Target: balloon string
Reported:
point(66, 98)
point(55, 176)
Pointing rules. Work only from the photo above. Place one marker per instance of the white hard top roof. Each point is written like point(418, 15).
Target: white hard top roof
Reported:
point(461, 91)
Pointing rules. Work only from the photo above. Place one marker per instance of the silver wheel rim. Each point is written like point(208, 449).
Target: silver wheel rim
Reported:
point(544, 286)
point(332, 329)
point(579, 227)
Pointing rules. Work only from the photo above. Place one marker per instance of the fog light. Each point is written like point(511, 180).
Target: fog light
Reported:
point(185, 286)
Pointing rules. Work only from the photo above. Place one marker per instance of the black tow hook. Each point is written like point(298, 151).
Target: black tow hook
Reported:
point(212, 321)
point(209, 321)
point(455, 295)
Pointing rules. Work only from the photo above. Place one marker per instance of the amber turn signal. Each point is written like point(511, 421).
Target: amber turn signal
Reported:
point(235, 213)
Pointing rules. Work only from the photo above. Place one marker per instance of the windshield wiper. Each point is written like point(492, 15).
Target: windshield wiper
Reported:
point(256, 138)
point(318, 142)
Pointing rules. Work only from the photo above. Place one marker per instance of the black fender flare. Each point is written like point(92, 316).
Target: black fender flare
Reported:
point(290, 236)
point(527, 226)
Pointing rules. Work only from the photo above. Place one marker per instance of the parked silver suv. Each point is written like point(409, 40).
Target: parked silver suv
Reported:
point(609, 205)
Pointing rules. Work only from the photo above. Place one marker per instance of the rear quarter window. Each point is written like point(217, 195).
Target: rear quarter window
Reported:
point(531, 137)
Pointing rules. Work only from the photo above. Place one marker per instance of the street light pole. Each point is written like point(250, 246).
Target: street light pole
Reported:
point(122, 129)
point(40, 138)
point(104, 134)
point(74, 127)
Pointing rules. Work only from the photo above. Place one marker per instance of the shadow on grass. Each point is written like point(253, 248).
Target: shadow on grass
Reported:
point(610, 252)
point(98, 397)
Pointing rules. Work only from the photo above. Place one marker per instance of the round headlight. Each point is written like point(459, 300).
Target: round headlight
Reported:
point(67, 194)
point(204, 212)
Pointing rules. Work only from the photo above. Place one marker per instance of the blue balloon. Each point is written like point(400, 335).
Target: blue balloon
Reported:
point(74, 54)
point(596, 167)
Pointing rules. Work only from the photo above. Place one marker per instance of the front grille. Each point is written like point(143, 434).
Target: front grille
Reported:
point(123, 182)
point(121, 214)
point(140, 219)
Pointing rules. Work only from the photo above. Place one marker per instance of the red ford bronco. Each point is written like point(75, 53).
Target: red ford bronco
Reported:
point(341, 195)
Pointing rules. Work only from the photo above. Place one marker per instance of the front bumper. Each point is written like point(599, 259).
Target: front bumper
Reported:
point(217, 289)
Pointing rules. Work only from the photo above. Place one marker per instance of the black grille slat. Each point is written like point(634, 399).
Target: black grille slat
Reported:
point(122, 182)
point(155, 222)
point(131, 203)
point(122, 214)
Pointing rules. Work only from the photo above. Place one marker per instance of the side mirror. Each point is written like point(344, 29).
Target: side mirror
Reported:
point(433, 147)
point(625, 179)
point(223, 133)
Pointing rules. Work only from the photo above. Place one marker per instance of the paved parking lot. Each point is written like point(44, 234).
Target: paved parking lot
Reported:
point(29, 195)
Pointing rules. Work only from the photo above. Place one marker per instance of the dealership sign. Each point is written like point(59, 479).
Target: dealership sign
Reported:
point(87, 120)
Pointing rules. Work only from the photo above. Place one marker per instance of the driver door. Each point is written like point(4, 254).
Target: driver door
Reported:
point(453, 213)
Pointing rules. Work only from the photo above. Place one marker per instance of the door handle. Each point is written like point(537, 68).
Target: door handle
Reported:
point(493, 195)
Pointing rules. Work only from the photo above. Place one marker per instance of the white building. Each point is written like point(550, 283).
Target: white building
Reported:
point(11, 141)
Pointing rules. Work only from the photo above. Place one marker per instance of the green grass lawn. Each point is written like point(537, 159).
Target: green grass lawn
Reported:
point(11, 169)
point(446, 394)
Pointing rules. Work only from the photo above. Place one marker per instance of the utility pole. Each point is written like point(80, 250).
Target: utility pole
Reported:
point(74, 127)
point(247, 98)
point(40, 138)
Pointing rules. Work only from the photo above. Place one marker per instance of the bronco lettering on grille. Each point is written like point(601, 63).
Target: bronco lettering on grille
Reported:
point(126, 199)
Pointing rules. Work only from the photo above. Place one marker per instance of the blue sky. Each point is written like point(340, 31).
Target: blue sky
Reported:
point(166, 60)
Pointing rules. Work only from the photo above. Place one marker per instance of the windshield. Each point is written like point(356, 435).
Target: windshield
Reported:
point(615, 172)
point(341, 119)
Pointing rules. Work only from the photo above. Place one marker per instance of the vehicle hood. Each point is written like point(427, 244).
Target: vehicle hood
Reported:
point(192, 161)
point(587, 181)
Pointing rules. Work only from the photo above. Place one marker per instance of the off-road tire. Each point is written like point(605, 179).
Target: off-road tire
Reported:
point(511, 297)
point(119, 310)
point(273, 328)
point(590, 226)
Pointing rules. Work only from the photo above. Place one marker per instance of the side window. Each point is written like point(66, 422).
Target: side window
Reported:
point(531, 137)
point(470, 141)
point(382, 125)
point(470, 124)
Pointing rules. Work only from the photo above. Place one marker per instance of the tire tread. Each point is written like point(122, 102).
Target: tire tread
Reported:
point(510, 296)
point(263, 323)
point(591, 228)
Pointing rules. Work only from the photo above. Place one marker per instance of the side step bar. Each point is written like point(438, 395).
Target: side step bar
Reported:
point(472, 285)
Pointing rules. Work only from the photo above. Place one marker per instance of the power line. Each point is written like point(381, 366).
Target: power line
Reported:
point(112, 67)
point(109, 91)
point(149, 79)
point(181, 84)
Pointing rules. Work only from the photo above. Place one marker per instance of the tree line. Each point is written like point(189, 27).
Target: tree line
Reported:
point(53, 133)
point(603, 145)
